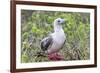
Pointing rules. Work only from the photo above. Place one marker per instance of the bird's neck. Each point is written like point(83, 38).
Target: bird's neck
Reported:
point(57, 28)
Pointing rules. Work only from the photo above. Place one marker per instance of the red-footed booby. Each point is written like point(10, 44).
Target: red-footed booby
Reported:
point(55, 41)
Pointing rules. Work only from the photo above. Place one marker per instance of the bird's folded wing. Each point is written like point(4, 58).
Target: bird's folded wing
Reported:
point(46, 43)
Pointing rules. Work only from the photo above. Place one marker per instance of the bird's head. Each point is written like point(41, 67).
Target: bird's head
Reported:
point(59, 21)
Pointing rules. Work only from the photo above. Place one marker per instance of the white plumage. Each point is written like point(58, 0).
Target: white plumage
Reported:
point(55, 41)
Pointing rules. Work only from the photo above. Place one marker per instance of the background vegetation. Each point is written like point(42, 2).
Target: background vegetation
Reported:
point(35, 25)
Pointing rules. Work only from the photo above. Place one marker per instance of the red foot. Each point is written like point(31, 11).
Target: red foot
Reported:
point(55, 57)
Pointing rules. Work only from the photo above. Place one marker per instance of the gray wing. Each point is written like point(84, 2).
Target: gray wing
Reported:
point(63, 44)
point(46, 42)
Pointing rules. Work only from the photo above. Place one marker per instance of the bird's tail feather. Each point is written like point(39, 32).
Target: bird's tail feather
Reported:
point(41, 53)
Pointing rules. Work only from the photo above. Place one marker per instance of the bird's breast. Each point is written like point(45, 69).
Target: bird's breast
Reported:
point(58, 41)
point(59, 37)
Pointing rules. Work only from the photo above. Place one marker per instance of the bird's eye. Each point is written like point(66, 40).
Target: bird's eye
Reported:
point(58, 20)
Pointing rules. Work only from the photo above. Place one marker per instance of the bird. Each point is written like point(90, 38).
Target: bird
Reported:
point(55, 41)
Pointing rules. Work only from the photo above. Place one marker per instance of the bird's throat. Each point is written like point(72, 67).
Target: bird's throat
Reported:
point(57, 28)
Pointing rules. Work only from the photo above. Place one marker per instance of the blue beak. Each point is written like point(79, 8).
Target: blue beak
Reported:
point(62, 21)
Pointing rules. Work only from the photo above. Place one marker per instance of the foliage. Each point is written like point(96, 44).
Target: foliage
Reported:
point(38, 24)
